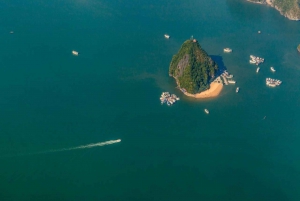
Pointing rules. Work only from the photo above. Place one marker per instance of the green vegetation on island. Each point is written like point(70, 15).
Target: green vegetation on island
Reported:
point(288, 8)
point(192, 67)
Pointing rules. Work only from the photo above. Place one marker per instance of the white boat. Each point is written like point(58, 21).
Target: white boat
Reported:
point(227, 49)
point(272, 69)
point(231, 81)
point(237, 89)
point(11, 32)
point(252, 61)
point(75, 53)
point(167, 36)
point(206, 111)
point(271, 84)
point(257, 69)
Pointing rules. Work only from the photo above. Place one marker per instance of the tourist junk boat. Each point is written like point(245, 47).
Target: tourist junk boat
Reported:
point(227, 50)
point(257, 69)
point(167, 36)
point(237, 89)
point(272, 69)
point(75, 53)
point(206, 111)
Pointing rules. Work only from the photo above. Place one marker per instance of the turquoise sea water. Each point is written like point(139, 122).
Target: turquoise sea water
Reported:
point(53, 100)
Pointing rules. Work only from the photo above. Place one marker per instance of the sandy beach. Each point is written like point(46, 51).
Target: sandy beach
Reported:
point(213, 91)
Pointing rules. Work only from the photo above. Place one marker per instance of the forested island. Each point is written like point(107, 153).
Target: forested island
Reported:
point(288, 8)
point(192, 68)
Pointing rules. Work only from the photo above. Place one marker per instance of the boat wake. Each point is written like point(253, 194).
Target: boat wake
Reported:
point(88, 146)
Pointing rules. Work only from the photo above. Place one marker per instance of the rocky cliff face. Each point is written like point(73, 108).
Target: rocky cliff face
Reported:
point(287, 8)
point(192, 67)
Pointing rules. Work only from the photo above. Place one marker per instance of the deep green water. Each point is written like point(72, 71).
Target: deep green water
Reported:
point(51, 100)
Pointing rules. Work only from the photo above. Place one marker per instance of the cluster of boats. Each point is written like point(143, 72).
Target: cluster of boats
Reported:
point(227, 49)
point(168, 98)
point(256, 60)
point(225, 75)
point(273, 82)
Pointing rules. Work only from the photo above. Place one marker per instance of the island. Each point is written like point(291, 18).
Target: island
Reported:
point(287, 8)
point(298, 48)
point(195, 72)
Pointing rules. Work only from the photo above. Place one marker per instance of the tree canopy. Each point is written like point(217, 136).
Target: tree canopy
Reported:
point(192, 67)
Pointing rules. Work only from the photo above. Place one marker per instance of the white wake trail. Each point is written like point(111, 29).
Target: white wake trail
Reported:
point(88, 146)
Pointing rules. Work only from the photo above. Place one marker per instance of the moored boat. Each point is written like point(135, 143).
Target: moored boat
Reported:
point(231, 81)
point(75, 53)
point(237, 89)
point(257, 69)
point(167, 36)
point(272, 69)
point(227, 50)
point(206, 111)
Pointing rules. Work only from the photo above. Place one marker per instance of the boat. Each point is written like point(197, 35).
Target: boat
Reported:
point(75, 53)
point(231, 81)
point(227, 50)
point(272, 84)
point(206, 111)
point(11, 32)
point(259, 32)
point(252, 61)
point(237, 89)
point(257, 69)
point(167, 36)
point(272, 69)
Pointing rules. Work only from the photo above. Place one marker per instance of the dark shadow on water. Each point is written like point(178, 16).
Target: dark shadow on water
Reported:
point(219, 60)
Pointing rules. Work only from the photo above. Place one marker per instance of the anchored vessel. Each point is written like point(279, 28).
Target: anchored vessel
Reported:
point(75, 53)
point(231, 81)
point(167, 36)
point(237, 89)
point(227, 50)
point(206, 111)
point(257, 69)
point(272, 69)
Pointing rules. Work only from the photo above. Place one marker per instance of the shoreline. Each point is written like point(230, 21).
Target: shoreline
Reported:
point(269, 3)
point(214, 90)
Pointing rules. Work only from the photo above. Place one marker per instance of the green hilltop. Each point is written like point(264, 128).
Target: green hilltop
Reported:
point(288, 8)
point(192, 67)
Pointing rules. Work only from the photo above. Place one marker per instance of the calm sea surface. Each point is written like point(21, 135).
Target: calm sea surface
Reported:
point(52, 100)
